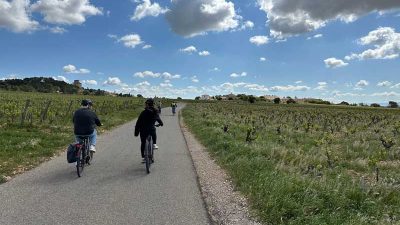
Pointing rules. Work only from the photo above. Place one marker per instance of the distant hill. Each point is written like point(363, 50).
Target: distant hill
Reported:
point(45, 85)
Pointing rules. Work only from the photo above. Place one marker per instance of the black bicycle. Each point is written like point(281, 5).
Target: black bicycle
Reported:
point(149, 152)
point(83, 154)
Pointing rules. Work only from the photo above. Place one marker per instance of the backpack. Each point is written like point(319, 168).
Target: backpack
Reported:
point(71, 153)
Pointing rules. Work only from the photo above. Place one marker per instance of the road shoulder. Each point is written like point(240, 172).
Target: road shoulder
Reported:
point(224, 204)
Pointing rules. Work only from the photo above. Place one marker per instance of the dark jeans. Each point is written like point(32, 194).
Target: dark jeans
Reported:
point(143, 136)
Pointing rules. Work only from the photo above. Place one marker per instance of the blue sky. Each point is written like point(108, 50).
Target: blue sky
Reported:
point(335, 50)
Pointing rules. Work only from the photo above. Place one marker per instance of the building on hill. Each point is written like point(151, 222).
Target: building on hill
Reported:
point(205, 97)
point(270, 97)
point(77, 83)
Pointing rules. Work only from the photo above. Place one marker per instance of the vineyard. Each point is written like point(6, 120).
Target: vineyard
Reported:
point(304, 164)
point(34, 127)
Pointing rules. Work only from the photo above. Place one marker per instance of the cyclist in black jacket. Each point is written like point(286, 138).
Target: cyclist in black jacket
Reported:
point(145, 125)
point(85, 122)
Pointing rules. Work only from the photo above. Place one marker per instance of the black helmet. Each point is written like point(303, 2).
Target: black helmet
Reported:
point(150, 102)
point(86, 102)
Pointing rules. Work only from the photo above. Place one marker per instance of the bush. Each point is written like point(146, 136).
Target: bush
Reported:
point(375, 105)
point(291, 101)
point(252, 99)
point(277, 100)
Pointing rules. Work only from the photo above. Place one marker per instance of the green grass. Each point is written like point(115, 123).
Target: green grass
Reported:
point(287, 177)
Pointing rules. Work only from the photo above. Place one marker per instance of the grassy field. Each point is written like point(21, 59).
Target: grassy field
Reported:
point(304, 164)
point(31, 133)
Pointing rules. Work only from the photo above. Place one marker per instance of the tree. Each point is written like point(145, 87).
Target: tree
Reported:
point(252, 99)
point(393, 104)
point(344, 103)
point(197, 98)
point(179, 98)
point(375, 105)
point(277, 100)
point(139, 96)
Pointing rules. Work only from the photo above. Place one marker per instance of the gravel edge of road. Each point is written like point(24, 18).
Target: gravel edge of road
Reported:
point(223, 203)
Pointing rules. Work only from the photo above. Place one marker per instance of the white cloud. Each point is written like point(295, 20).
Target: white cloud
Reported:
point(144, 83)
point(298, 82)
point(189, 49)
point(90, 82)
point(290, 88)
point(315, 36)
point(113, 81)
point(165, 75)
point(384, 83)
point(335, 63)
point(15, 17)
point(131, 40)
point(166, 84)
point(259, 40)
point(73, 69)
point(197, 17)
point(204, 53)
point(247, 25)
point(57, 30)
point(147, 74)
point(147, 46)
point(65, 12)
point(360, 85)
point(287, 18)
point(256, 87)
point(395, 86)
point(169, 76)
point(230, 87)
point(10, 77)
point(386, 42)
point(263, 59)
point(61, 78)
point(146, 8)
point(386, 94)
point(194, 79)
point(322, 86)
point(235, 75)
point(215, 69)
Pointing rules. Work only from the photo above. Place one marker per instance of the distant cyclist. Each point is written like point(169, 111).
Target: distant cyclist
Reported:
point(145, 125)
point(174, 106)
point(85, 121)
point(159, 106)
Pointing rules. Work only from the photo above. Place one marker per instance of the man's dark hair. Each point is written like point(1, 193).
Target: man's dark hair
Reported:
point(86, 102)
point(150, 102)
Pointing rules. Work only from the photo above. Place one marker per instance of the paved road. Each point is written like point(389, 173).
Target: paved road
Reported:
point(115, 189)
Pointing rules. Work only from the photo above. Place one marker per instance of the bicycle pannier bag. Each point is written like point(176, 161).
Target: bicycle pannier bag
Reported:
point(71, 153)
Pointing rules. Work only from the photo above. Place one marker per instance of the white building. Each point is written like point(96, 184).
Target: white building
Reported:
point(205, 97)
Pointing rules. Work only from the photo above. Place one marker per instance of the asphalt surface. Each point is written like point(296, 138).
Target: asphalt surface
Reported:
point(115, 189)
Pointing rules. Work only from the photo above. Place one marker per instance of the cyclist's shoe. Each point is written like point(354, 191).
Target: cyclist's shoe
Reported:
point(143, 160)
point(155, 146)
point(92, 148)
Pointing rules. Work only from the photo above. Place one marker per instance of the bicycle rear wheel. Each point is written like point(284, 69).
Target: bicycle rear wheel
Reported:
point(80, 161)
point(147, 153)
